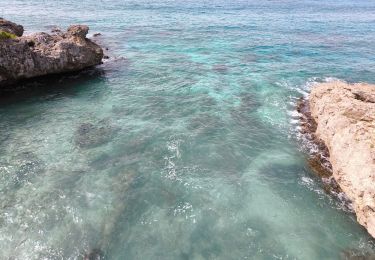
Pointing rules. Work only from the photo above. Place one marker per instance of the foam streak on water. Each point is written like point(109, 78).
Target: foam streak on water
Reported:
point(181, 146)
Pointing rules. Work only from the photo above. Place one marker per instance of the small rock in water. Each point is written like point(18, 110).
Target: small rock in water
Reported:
point(97, 34)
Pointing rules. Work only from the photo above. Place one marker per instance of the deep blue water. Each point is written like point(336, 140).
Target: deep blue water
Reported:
point(183, 145)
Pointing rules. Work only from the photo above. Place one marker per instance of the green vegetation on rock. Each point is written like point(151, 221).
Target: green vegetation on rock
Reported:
point(7, 35)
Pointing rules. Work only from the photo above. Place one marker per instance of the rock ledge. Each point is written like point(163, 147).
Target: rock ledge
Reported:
point(41, 54)
point(344, 115)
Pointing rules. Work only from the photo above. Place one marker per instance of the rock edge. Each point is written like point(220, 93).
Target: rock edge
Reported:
point(343, 118)
point(42, 54)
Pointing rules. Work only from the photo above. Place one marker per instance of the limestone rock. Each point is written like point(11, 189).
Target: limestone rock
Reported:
point(78, 30)
point(40, 54)
point(10, 27)
point(345, 118)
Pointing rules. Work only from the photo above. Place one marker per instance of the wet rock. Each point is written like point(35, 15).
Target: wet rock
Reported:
point(10, 27)
point(90, 135)
point(79, 31)
point(41, 54)
point(318, 158)
point(97, 34)
point(317, 164)
point(56, 30)
point(344, 121)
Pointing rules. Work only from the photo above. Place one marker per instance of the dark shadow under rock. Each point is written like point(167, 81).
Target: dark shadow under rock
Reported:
point(55, 84)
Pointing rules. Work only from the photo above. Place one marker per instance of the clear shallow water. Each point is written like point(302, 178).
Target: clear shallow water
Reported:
point(185, 149)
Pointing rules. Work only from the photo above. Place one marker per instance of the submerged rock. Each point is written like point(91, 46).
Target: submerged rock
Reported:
point(90, 135)
point(344, 115)
point(95, 254)
point(41, 54)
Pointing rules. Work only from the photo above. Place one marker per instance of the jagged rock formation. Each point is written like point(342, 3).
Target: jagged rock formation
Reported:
point(10, 27)
point(40, 54)
point(345, 121)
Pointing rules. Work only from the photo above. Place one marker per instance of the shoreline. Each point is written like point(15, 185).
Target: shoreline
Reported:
point(331, 109)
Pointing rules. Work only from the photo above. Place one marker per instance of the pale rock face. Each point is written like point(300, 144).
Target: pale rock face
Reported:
point(345, 117)
point(41, 54)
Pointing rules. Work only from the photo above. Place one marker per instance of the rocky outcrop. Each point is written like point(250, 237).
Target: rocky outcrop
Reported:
point(41, 54)
point(10, 27)
point(345, 121)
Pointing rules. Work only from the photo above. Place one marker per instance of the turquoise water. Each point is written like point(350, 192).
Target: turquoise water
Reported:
point(183, 145)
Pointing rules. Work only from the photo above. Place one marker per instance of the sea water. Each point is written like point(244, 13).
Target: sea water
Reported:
point(183, 144)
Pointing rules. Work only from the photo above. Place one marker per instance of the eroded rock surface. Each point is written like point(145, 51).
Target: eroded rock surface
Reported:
point(345, 122)
point(10, 27)
point(40, 54)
